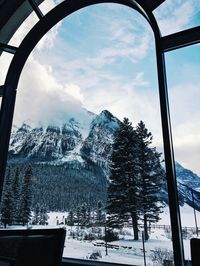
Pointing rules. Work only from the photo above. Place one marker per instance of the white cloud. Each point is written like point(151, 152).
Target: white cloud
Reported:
point(129, 34)
point(48, 40)
point(134, 51)
point(185, 113)
point(75, 91)
point(175, 16)
point(41, 98)
point(119, 36)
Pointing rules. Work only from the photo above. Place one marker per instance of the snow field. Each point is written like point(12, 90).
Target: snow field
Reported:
point(127, 251)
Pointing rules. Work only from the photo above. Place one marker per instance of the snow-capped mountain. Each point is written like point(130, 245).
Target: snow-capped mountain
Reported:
point(71, 141)
point(52, 142)
point(81, 148)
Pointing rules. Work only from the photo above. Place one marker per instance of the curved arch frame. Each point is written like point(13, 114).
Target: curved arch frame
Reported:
point(10, 87)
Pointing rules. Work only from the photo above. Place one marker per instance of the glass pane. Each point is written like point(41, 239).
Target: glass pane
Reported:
point(174, 16)
point(98, 68)
point(183, 82)
point(47, 5)
point(5, 60)
point(25, 27)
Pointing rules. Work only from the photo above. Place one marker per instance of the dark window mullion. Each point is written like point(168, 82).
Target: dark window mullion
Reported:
point(36, 8)
point(8, 48)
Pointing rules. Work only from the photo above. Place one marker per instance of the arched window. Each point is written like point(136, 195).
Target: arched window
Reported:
point(162, 45)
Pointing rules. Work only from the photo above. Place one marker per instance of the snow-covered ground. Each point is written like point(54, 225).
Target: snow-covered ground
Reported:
point(126, 251)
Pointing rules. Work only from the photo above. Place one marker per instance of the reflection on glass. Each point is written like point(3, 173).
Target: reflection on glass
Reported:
point(183, 83)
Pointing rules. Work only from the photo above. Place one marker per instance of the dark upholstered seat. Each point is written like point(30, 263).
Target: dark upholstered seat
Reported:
point(37, 247)
point(195, 251)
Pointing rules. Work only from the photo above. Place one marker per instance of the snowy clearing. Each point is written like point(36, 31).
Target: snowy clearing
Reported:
point(126, 251)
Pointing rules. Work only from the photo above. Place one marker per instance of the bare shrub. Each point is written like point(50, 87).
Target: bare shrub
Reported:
point(95, 255)
point(159, 255)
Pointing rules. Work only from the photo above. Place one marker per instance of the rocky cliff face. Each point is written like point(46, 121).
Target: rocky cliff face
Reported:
point(97, 146)
point(45, 144)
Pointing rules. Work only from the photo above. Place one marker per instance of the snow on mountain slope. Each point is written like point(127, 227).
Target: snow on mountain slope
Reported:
point(75, 140)
point(86, 140)
point(52, 142)
point(97, 146)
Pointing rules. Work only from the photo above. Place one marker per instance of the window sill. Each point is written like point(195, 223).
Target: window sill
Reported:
point(79, 262)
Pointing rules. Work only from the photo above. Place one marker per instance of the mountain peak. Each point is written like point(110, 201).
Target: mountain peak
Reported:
point(25, 127)
point(106, 118)
point(107, 114)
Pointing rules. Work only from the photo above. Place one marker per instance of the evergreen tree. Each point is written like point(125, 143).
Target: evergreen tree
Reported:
point(7, 200)
point(83, 214)
point(78, 216)
point(36, 215)
point(26, 197)
point(16, 196)
point(114, 220)
point(43, 216)
point(89, 218)
point(99, 214)
point(70, 218)
point(122, 201)
point(151, 176)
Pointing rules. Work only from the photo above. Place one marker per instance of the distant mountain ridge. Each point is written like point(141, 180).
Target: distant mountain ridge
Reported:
point(76, 149)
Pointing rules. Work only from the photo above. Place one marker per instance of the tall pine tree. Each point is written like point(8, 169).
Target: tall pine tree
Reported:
point(122, 201)
point(16, 196)
point(26, 196)
point(7, 200)
point(151, 176)
point(83, 215)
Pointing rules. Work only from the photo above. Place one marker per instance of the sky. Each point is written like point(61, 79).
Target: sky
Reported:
point(102, 57)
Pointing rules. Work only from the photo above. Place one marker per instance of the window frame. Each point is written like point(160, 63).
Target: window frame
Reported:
point(162, 44)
